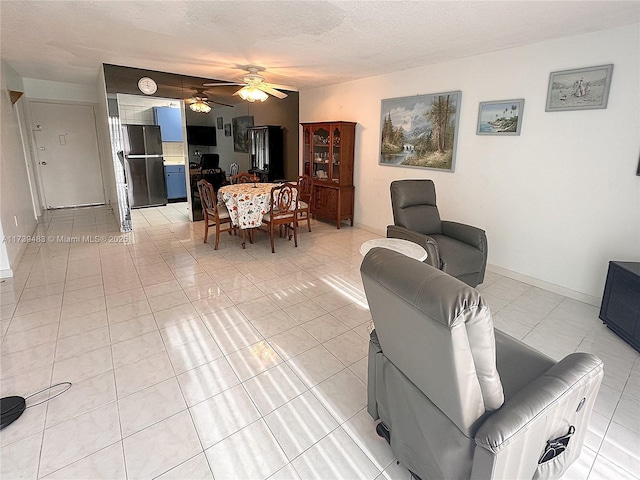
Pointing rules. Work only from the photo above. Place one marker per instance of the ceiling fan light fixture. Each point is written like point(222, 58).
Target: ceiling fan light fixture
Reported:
point(251, 94)
point(200, 106)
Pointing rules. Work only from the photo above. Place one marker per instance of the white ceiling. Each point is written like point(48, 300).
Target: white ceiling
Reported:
point(302, 43)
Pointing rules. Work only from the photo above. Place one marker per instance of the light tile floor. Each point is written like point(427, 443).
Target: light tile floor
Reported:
point(188, 362)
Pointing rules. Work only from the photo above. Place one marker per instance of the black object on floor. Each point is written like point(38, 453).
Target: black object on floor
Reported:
point(383, 432)
point(620, 308)
point(10, 410)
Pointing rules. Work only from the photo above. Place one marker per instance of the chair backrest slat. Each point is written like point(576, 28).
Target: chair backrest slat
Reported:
point(305, 185)
point(244, 177)
point(283, 197)
point(207, 198)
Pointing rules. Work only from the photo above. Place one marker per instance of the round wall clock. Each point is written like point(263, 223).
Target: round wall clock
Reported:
point(147, 85)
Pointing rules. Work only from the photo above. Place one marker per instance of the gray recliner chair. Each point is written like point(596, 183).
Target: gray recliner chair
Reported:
point(455, 248)
point(459, 399)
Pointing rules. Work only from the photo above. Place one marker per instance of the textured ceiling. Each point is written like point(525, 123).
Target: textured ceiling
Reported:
point(301, 43)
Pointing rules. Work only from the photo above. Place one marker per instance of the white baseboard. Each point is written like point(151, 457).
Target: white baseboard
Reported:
point(566, 292)
point(9, 272)
point(6, 273)
point(362, 226)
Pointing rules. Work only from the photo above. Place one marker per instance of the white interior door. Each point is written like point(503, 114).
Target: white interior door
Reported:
point(67, 149)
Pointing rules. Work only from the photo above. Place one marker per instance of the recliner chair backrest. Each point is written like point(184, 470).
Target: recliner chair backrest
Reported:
point(210, 160)
point(414, 206)
point(438, 332)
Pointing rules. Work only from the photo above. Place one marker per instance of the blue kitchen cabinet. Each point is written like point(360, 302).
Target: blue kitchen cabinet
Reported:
point(176, 182)
point(170, 121)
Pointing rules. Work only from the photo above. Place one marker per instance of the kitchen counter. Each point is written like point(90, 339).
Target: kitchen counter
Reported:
point(171, 160)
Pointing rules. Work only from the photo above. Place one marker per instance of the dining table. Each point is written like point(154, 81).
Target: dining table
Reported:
point(247, 204)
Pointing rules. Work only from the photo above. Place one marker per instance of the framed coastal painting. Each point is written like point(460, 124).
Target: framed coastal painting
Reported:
point(579, 89)
point(420, 131)
point(240, 133)
point(503, 117)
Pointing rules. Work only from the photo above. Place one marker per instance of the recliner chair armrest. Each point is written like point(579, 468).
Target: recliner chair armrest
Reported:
point(518, 363)
point(544, 393)
point(474, 236)
point(468, 234)
point(425, 241)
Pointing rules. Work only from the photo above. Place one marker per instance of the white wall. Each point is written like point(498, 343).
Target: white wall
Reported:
point(104, 144)
point(62, 91)
point(17, 217)
point(560, 200)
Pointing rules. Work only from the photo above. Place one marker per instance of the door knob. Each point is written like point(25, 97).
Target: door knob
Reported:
point(43, 163)
point(42, 148)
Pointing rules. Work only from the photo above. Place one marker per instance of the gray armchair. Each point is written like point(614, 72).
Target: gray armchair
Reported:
point(458, 399)
point(455, 248)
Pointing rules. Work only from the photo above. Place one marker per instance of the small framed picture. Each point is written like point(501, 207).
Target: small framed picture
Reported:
point(227, 129)
point(502, 117)
point(219, 122)
point(579, 89)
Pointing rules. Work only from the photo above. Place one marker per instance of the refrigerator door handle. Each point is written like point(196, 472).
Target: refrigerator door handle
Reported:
point(144, 156)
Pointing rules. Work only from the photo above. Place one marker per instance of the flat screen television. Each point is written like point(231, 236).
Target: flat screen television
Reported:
point(201, 135)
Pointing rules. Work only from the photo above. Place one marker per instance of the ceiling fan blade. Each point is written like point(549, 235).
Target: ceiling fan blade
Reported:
point(272, 91)
point(225, 84)
point(281, 87)
point(219, 103)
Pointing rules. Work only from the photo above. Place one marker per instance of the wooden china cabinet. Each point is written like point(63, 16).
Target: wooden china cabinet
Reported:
point(328, 159)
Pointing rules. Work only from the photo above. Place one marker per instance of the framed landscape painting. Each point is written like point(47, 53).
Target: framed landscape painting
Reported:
point(240, 133)
point(502, 117)
point(420, 131)
point(579, 89)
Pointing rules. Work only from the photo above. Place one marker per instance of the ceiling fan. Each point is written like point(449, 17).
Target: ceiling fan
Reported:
point(254, 87)
point(200, 102)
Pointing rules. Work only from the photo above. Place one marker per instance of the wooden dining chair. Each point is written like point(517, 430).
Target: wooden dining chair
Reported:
point(244, 177)
point(282, 211)
point(305, 189)
point(214, 214)
point(234, 169)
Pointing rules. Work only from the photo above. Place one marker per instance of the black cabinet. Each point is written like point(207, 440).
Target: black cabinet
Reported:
point(620, 308)
point(266, 150)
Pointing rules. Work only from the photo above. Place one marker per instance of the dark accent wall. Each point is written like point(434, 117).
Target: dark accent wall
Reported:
point(285, 112)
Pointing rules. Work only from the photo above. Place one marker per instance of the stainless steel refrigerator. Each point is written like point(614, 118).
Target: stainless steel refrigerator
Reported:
point(144, 166)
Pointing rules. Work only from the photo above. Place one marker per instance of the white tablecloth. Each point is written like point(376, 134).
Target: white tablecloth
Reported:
point(247, 202)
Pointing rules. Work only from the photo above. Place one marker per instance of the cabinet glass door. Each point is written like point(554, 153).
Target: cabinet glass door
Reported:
point(335, 155)
point(321, 152)
point(258, 149)
point(306, 151)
